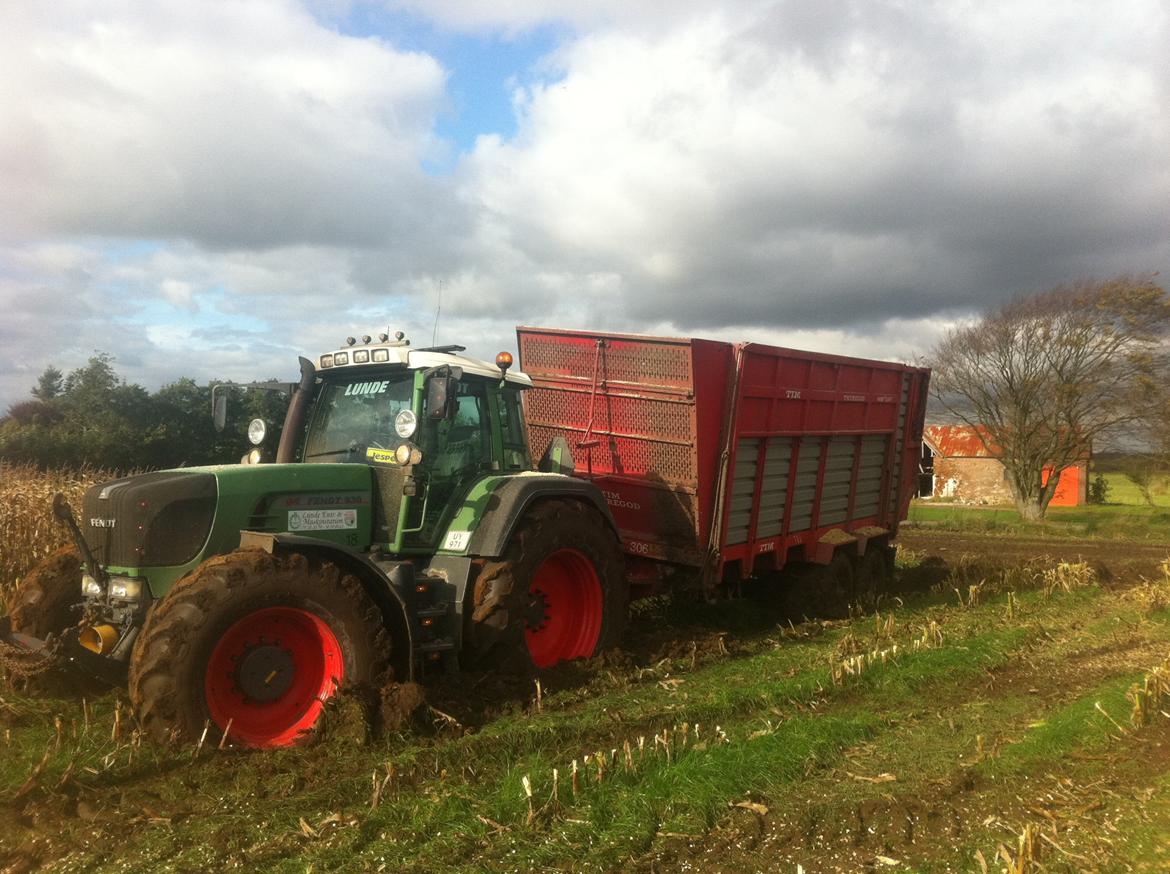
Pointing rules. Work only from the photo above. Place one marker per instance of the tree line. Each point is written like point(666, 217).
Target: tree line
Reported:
point(92, 416)
point(1044, 379)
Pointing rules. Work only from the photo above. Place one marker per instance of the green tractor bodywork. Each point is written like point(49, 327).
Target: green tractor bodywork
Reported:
point(413, 469)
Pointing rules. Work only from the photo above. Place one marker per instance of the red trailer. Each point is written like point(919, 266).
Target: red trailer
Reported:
point(731, 459)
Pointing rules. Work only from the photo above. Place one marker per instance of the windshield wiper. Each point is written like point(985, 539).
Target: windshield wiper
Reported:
point(353, 447)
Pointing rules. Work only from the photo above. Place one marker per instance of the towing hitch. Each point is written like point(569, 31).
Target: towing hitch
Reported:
point(23, 656)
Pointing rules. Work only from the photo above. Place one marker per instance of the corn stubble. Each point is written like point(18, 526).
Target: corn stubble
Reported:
point(28, 531)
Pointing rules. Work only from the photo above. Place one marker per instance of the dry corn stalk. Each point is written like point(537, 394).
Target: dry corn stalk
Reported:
point(1068, 576)
point(27, 527)
point(1152, 697)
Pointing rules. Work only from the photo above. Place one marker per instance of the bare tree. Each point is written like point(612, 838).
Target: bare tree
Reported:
point(1044, 377)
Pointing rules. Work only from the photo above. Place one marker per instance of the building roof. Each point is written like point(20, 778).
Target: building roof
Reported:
point(957, 441)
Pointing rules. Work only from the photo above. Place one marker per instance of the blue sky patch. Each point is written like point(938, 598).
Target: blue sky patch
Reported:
point(483, 69)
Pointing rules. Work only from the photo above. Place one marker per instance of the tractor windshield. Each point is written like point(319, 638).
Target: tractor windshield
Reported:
point(354, 415)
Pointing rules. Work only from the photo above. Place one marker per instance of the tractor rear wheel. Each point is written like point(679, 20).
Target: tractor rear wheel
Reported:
point(558, 592)
point(255, 644)
point(43, 602)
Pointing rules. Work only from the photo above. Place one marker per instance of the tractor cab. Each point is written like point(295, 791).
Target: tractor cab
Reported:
point(429, 422)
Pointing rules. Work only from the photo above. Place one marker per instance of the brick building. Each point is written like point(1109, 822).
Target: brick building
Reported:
point(957, 466)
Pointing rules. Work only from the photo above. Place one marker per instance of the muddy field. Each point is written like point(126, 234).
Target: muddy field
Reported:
point(1000, 711)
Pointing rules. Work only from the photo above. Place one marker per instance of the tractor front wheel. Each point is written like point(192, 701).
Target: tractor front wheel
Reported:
point(44, 600)
point(557, 593)
point(255, 644)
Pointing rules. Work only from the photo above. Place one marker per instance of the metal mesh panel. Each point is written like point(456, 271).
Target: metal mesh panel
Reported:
point(630, 416)
point(645, 363)
point(632, 456)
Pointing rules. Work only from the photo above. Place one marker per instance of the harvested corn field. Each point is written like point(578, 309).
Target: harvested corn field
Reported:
point(1005, 713)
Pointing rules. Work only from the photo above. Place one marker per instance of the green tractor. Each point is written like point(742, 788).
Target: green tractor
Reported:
point(401, 529)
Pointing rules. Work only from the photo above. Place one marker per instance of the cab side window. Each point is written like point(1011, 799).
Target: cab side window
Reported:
point(512, 428)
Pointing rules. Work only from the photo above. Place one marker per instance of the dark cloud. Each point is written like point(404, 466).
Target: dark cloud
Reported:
point(838, 173)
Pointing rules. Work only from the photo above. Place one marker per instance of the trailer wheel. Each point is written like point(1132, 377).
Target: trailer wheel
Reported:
point(259, 642)
point(558, 592)
point(840, 581)
point(870, 577)
point(43, 601)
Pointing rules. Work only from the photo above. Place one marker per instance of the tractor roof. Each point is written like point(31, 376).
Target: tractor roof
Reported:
point(415, 359)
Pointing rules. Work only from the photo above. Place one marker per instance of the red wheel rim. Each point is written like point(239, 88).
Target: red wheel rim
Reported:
point(567, 587)
point(270, 674)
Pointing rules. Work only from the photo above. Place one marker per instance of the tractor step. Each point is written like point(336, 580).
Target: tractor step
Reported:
point(443, 644)
point(433, 606)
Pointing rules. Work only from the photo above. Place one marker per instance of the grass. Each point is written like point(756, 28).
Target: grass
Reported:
point(457, 802)
point(1124, 517)
point(994, 692)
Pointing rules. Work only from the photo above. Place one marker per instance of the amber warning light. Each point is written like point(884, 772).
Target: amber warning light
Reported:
point(504, 361)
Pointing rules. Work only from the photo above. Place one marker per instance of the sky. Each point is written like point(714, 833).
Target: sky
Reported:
point(210, 189)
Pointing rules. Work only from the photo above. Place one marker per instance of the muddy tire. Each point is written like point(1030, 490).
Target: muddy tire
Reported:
point(259, 640)
point(871, 577)
point(43, 602)
point(558, 593)
point(806, 590)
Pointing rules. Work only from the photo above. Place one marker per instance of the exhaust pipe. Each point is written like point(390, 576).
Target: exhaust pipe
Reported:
point(98, 638)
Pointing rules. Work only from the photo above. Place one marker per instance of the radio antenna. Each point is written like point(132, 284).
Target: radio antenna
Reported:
point(438, 309)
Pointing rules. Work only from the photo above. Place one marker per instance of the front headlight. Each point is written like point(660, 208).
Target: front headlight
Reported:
point(125, 589)
point(257, 431)
point(90, 587)
point(405, 423)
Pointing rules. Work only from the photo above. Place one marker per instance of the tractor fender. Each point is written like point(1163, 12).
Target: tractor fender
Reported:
point(495, 506)
point(387, 583)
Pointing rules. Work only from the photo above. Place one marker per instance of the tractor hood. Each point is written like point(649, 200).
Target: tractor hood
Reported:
point(171, 518)
point(150, 519)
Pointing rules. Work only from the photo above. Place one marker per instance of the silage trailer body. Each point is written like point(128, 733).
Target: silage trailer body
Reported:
point(733, 459)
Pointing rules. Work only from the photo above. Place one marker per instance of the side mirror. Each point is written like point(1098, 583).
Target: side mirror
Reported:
point(441, 392)
point(218, 408)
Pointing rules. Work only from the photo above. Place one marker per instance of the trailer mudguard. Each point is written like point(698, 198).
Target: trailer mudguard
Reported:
point(484, 523)
point(387, 584)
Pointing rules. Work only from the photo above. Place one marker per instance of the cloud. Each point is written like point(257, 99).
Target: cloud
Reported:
point(802, 167)
point(209, 190)
point(227, 124)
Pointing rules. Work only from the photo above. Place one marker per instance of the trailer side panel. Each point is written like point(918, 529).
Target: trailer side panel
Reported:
point(713, 454)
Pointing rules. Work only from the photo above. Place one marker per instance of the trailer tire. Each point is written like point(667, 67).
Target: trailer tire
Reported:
point(43, 602)
point(871, 578)
point(261, 641)
point(558, 592)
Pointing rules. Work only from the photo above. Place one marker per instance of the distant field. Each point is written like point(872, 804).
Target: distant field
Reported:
point(1124, 516)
